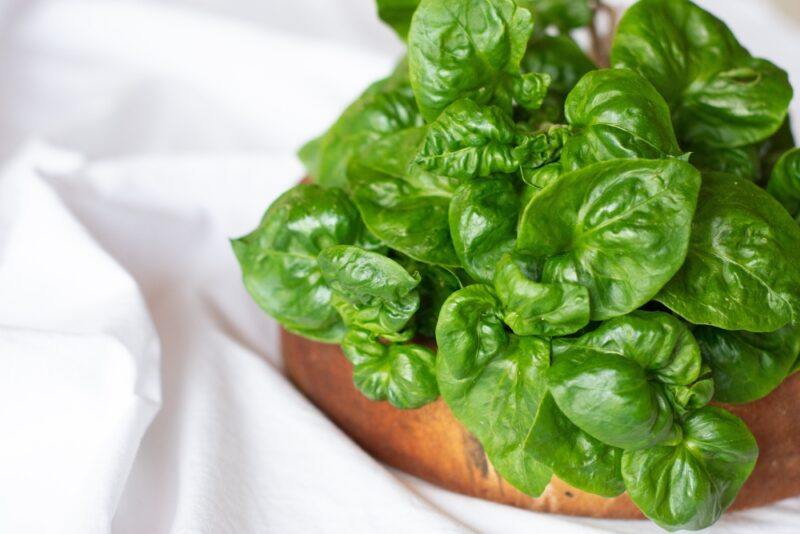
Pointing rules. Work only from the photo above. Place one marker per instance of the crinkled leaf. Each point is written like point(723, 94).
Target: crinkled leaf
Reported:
point(468, 140)
point(540, 149)
point(540, 177)
point(620, 228)
point(690, 484)
point(493, 382)
point(741, 270)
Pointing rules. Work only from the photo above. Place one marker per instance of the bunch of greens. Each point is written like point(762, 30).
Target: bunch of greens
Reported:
point(599, 253)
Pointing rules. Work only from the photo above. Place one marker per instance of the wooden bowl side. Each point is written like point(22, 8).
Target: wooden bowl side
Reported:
point(431, 444)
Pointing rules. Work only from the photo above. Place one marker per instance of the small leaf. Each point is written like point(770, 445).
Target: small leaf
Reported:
point(532, 308)
point(403, 374)
point(741, 269)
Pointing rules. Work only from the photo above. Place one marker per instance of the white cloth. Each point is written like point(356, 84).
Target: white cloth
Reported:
point(136, 138)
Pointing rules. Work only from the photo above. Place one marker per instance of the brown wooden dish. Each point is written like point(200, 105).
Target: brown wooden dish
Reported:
point(432, 445)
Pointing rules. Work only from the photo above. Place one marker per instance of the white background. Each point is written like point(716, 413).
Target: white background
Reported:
point(141, 390)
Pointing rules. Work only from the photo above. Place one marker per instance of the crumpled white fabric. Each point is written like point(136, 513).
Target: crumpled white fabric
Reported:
point(140, 388)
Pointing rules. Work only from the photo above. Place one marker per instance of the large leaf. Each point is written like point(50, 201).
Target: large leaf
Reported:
point(741, 270)
point(620, 228)
point(574, 456)
point(784, 182)
point(279, 258)
point(470, 48)
point(613, 382)
point(747, 366)
point(719, 94)
point(483, 223)
point(616, 113)
point(688, 485)
point(493, 382)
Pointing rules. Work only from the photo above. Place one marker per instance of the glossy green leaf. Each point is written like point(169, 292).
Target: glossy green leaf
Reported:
point(741, 162)
point(784, 182)
point(467, 49)
point(616, 113)
point(611, 381)
point(540, 177)
point(574, 456)
point(719, 94)
point(619, 228)
point(397, 14)
point(382, 292)
point(405, 207)
point(279, 258)
point(741, 270)
point(688, 485)
point(530, 89)
point(385, 108)
point(533, 308)
point(483, 222)
point(540, 149)
point(493, 382)
point(403, 374)
point(468, 140)
point(748, 366)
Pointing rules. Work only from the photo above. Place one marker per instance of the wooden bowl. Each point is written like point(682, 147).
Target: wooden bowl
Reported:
point(432, 445)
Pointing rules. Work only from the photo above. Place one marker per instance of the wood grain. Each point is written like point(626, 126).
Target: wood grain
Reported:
point(432, 445)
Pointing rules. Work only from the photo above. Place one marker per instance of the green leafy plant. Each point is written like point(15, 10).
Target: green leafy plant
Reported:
point(578, 260)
